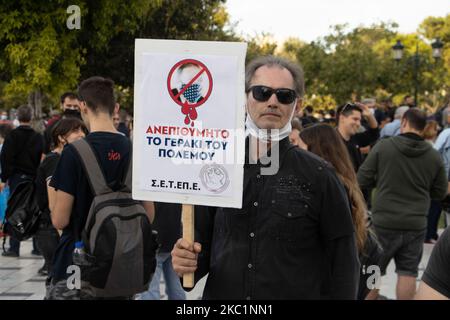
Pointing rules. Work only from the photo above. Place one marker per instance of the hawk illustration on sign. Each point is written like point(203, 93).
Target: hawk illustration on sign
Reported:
point(189, 84)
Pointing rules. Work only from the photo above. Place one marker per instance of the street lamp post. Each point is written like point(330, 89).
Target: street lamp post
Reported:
point(398, 48)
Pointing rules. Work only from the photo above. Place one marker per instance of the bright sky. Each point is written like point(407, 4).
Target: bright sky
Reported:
point(310, 19)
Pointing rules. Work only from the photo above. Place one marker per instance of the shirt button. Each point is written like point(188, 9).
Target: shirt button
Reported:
point(248, 298)
point(250, 266)
point(252, 235)
point(255, 204)
point(306, 206)
point(273, 201)
point(258, 176)
point(289, 214)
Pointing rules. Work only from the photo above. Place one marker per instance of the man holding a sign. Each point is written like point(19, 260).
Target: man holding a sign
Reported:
point(293, 237)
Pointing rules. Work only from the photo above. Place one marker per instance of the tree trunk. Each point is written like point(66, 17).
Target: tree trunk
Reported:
point(35, 101)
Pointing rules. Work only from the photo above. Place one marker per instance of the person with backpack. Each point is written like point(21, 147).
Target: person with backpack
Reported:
point(20, 157)
point(65, 131)
point(107, 248)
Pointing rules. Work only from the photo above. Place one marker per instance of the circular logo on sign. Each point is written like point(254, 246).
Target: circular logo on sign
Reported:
point(214, 178)
point(190, 85)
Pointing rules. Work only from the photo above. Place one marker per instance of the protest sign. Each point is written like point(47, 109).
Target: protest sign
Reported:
point(189, 109)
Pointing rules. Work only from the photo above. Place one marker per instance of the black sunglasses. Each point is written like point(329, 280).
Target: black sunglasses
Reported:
point(263, 93)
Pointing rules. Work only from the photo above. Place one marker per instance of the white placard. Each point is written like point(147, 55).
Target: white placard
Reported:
point(189, 111)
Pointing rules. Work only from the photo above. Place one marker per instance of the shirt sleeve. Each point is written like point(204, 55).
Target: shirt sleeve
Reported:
point(6, 158)
point(50, 167)
point(440, 184)
point(441, 139)
point(39, 147)
point(383, 131)
point(345, 268)
point(337, 232)
point(335, 214)
point(368, 170)
point(66, 175)
point(437, 274)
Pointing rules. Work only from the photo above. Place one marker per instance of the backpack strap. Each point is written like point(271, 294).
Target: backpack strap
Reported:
point(91, 167)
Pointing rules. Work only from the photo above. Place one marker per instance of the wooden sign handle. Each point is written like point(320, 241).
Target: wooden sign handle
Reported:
point(187, 218)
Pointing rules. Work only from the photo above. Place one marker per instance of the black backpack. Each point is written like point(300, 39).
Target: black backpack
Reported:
point(117, 237)
point(22, 213)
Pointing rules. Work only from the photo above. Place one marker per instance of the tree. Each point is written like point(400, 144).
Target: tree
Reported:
point(174, 19)
point(40, 54)
point(351, 64)
point(439, 27)
point(43, 58)
point(260, 45)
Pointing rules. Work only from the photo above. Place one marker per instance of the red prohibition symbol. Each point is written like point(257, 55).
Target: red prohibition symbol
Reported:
point(190, 85)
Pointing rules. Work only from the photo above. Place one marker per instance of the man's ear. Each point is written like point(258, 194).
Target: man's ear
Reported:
point(116, 108)
point(83, 107)
point(403, 123)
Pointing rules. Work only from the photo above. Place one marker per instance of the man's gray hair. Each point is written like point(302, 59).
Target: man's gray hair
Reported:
point(400, 112)
point(270, 61)
point(24, 113)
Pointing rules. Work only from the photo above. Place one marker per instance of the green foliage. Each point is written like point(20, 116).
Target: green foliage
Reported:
point(260, 45)
point(358, 63)
point(40, 54)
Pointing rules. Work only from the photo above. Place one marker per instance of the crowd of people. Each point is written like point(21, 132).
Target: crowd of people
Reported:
point(356, 187)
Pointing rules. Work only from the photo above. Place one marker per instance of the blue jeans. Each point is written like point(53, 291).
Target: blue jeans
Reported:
point(174, 290)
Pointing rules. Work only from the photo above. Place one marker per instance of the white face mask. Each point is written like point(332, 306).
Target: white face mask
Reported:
point(268, 134)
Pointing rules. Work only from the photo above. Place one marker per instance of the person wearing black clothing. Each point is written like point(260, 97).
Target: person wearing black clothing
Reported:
point(168, 225)
point(349, 122)
point(20, 158)
point(66, 131)
point(119, 120)
point(308, 117)
point(73, 191)
point(324, 141)
point(71, 108)
point(435, 283)
point(291, 223)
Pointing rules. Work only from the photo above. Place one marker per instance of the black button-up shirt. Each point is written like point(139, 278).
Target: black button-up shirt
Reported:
point(292, 239)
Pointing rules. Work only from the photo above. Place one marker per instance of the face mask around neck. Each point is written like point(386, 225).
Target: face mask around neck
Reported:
point(269, 134)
